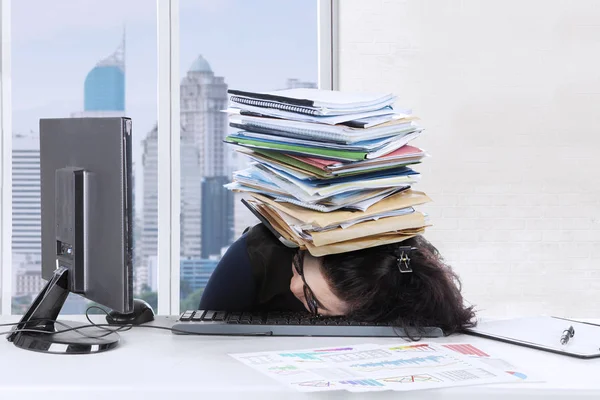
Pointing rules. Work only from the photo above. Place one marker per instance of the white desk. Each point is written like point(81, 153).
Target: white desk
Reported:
point(151, 364)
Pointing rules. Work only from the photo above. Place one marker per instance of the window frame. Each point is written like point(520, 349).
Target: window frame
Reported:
point(168, 108)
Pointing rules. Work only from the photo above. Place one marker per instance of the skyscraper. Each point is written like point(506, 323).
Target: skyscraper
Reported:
point(191, 204)
point(217, 215)
point(26, 216)
point(203, 98)
point(26, 224)
point(104, 86)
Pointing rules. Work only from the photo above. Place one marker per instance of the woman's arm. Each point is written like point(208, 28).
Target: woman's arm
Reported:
point(231, 286)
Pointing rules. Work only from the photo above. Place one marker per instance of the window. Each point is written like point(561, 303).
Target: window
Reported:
point(81, 58)
point(104, 58)
point(258, 45)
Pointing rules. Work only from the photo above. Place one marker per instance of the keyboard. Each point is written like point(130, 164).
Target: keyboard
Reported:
point(210, 322)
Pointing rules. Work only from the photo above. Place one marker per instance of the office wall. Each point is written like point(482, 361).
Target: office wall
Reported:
point(509, 94)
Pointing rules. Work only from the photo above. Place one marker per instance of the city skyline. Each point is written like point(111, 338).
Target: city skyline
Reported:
point(83, 75)
point(236, 36)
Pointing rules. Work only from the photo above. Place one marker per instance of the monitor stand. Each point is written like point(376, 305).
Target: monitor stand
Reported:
point(42, 330)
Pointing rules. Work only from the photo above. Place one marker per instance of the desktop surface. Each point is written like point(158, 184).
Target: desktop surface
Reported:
point(150, 363)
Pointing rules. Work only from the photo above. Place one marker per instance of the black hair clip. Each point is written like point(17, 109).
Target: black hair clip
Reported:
point(403, 259)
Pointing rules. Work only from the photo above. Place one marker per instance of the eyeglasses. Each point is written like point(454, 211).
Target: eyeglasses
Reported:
point(313, 305)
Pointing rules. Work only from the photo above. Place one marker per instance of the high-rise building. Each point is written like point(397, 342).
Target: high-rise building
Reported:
point(190, 205)
point(190, 221)
point(104, 87)
point(203, 98)
point(148, 245)
point(27, 279)
point(26, 215)
point(196, 272)
point(217, 215)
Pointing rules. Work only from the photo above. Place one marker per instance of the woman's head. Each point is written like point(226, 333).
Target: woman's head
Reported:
point(368, 285)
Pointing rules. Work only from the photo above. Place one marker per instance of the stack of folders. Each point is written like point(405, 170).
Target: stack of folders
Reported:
point(330, 170)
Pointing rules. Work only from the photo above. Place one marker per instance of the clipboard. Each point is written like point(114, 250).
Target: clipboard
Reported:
point(545, 333)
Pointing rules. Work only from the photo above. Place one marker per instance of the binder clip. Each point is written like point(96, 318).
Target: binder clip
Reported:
point(403, 259)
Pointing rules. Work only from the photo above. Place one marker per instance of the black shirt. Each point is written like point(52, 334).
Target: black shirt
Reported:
point(253, 275)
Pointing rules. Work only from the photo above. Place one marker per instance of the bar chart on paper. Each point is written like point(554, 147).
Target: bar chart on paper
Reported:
point(466, 349)
point(371, 367)
point(427, 361)
point(363, 382)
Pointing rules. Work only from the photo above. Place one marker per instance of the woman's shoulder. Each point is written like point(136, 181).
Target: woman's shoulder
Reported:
point(260, 242)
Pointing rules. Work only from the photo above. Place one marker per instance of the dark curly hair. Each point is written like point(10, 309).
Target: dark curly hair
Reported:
point(370, 282)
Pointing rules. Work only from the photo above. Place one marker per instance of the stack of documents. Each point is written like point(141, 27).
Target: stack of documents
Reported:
point(330, 171)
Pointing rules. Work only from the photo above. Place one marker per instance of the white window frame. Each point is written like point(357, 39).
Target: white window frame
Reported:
point(168, 142)
point(6, 161)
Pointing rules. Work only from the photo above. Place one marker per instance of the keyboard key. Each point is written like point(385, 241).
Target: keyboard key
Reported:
point(186, 316)
point(257, 318)
point(220, 316)
point(198, 315)
point(209, 315)
point(234, 317)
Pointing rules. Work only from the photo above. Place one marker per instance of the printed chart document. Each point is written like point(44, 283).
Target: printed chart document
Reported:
point(369, 367)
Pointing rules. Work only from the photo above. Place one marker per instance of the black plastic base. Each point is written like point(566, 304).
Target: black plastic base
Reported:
point(39, 330)
point(82, 341)
point(142, 313)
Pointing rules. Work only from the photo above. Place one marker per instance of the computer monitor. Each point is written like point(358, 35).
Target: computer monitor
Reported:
point(86, 218)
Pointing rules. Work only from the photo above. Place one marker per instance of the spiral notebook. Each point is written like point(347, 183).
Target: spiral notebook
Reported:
point(314, 101)
point(545, 333)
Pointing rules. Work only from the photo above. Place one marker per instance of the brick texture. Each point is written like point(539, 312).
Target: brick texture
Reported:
point(509, 93)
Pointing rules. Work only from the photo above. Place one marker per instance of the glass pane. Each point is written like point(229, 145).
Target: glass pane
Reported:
point(258, 45)
point(76, 58)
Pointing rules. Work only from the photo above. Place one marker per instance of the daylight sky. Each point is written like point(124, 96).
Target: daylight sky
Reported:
point(255, 45)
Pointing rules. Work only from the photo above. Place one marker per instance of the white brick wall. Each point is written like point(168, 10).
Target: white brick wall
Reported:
point(509, 94)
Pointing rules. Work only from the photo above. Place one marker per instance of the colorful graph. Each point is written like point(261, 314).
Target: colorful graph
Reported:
point(402, 363)
point(412, 347)
point(304, 356)
point(518, 374)
point(356, 356)
point(412, 379)
point(285, 370)
point(362, 382)
point(466, 349)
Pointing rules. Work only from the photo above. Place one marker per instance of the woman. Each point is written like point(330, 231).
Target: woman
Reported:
point(258, 273)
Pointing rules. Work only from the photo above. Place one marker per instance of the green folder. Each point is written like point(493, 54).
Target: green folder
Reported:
point(342, 155)
point(277, 156)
